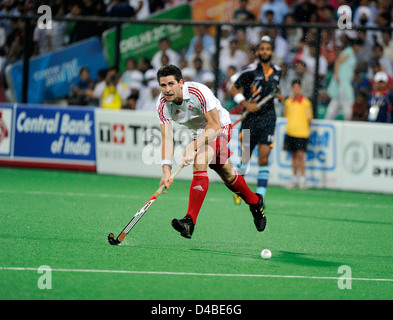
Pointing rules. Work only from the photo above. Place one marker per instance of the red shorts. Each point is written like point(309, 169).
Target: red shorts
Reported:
point(220, 147)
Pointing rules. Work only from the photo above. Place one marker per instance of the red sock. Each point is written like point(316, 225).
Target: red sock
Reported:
point(198, 190)
point(240, 187)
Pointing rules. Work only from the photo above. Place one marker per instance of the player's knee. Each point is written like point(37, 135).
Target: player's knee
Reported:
point(226, 173)
point(263, 161)
point(228, 177)
point(200, 167)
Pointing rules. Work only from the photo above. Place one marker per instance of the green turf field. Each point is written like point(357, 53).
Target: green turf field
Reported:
point(61, 219)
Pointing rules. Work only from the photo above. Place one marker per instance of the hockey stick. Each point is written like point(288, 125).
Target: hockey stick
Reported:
point(266, 99)
point(140, 213)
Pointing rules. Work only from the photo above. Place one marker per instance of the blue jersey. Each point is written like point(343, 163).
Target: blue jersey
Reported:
point(255, 81)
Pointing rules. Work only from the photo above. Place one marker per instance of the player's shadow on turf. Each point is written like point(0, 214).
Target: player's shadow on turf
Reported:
point(226, 253)
point(303, 260)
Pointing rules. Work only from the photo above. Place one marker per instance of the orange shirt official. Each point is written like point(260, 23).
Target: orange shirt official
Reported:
point(299, 114)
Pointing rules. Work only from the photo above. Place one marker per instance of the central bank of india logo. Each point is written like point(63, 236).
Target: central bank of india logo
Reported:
point(355, 157)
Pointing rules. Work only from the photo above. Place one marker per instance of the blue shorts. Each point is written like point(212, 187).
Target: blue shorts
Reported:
point(261, 130)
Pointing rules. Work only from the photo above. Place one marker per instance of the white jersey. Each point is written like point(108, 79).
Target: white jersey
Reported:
point(197, 100)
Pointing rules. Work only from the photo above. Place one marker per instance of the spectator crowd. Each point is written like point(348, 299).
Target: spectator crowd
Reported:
point(359, 60)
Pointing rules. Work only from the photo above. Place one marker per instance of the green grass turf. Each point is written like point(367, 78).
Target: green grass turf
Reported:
point(61, 219)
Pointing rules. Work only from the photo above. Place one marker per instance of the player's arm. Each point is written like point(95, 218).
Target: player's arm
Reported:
point(239, 98)
point(279, 96)
point(310, 113)
point(239, 81)
point(286, 103)
point(166, 154)
point(210, 132)
point(337, 64)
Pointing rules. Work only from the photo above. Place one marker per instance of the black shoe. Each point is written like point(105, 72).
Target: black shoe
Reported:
point(185, 226)
point(259, 214)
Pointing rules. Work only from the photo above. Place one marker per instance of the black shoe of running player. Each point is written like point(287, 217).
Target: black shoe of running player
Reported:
point(185, 226)
point(259, 214)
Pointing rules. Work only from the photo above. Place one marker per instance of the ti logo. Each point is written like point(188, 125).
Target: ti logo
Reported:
point(3, 129)
point(115, 133)
point(119, 133)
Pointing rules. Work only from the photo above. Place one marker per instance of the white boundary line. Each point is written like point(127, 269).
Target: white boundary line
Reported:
point(208, 199)
point(196, 274)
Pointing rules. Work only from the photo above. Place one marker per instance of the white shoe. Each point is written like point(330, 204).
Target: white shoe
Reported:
point(292, 184)
point(303, 184)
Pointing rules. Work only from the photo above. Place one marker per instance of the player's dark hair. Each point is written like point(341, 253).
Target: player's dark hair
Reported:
point(356, 42)
point(264, 40)
point(164, 39)
point(84, 68)
point(169, 70)
point(377, 46)
point(296, 81)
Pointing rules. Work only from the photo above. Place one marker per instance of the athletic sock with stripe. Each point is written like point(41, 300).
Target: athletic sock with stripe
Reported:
point(198, 190)
point(240, 187)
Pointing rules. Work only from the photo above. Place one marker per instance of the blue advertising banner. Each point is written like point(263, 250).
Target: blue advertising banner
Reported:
point(55, 133)
point(51, 75)
point(321, 152)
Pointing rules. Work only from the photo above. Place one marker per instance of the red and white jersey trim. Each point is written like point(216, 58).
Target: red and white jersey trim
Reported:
point(198, 99)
